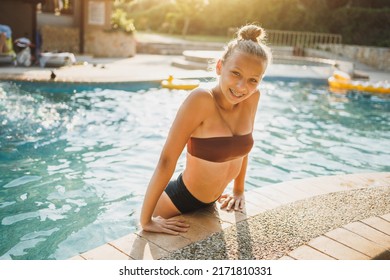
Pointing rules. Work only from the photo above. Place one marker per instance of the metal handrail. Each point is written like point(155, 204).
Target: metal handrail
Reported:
point(301, 39)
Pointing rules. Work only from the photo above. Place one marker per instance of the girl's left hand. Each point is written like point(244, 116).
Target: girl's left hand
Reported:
point(232, 201)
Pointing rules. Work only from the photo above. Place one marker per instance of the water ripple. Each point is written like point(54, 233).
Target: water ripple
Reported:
point(21, 181)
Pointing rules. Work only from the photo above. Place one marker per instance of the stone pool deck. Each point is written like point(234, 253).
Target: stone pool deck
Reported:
point(145, 67)
point(345, 217)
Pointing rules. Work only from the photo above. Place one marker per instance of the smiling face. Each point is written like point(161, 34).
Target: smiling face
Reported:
point(240, 76)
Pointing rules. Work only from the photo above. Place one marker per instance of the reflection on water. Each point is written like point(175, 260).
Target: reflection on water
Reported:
point(74, 166)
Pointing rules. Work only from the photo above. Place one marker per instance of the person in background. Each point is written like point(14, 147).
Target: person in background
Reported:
point(216, 125)
point(23, 51)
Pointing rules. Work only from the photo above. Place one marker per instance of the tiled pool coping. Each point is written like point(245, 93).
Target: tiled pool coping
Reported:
point(368, 238)
point(361, 240)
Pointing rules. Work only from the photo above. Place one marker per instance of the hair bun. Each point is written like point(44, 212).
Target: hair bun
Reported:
point(251, 32)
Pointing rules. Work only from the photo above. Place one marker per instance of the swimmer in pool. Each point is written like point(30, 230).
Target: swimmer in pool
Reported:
point(216, 125)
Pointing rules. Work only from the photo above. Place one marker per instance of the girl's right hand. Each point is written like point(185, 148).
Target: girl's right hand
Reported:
point(172, 226)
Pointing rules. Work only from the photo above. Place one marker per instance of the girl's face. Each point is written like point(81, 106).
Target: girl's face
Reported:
point(240, 75)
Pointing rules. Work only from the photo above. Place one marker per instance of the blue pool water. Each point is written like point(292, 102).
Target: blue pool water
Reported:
point(75, 160)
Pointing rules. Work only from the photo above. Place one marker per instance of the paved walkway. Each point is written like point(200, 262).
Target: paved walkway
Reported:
point(144, 67)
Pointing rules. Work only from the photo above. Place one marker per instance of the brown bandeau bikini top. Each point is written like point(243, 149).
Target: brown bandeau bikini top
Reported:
point(220, 149)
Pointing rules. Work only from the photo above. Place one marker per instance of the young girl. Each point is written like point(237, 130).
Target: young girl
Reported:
point(216, 125)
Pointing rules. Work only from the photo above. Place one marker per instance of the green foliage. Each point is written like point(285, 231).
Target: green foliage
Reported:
point(120, 21)
point(150, 14)
point(374, 4)
point(362, 26)
point(363, 22)
point(187, 11)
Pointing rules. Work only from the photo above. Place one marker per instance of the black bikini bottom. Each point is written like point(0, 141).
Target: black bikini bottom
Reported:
point(182, 198)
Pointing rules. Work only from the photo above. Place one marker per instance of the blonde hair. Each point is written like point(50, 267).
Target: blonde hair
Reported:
point(249, 39)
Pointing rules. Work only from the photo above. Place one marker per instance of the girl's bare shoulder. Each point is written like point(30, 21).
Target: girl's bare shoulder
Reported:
point(200, 98)
point(253, 99)
point(203, 93)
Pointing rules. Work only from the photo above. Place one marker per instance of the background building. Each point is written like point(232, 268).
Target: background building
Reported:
point(77, 26)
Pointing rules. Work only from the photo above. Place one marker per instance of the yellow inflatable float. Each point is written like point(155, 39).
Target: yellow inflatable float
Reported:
point(173, 83)
point(342, 81)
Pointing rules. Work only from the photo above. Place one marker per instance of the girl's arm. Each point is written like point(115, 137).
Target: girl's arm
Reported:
point(236, 200)
point(190, 116)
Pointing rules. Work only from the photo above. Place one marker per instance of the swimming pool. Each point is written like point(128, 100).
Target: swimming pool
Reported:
point(75, 160)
